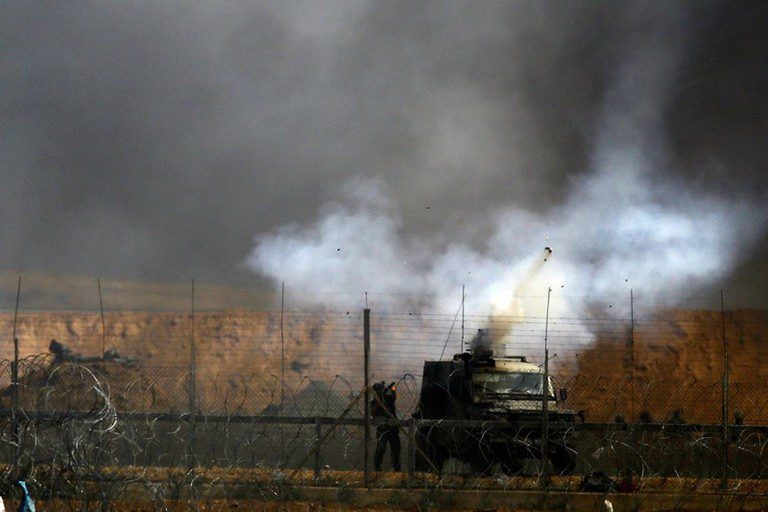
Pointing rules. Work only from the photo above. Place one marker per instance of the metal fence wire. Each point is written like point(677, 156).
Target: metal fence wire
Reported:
point(266, 396)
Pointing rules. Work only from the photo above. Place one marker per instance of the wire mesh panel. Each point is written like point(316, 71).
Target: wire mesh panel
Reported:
point(281, 392)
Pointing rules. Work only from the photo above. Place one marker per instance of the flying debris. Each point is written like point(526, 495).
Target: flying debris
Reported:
point(547, 252)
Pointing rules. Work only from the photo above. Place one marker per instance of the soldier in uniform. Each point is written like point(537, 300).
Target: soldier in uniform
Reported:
point(383, 407)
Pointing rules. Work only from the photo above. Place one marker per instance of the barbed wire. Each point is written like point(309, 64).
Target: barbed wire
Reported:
point(97, 429)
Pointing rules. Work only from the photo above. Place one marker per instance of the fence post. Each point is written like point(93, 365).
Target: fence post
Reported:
point(631, 348)
point(545, 424)
point(411, 450)
point(545, 404)
point(366, 362)
point(15, 376)
point(103, 323)
point(192, 427)
point(318, 458)
point(631, 423)
point(15, 384)
point(724, 482)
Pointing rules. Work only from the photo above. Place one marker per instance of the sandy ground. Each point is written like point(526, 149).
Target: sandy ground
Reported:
point(674, 365)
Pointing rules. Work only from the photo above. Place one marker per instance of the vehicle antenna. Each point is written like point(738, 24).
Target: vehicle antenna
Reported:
point(450, 331)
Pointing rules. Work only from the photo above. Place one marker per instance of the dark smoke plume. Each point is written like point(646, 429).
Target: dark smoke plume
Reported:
point(387, 146)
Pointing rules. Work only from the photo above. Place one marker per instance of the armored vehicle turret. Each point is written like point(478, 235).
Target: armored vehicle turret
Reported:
point(501, 400)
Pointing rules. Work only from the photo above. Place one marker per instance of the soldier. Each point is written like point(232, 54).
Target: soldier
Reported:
point(383, 407)
point(61, 354)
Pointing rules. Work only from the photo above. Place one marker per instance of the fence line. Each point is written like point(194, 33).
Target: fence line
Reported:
point(90, 409)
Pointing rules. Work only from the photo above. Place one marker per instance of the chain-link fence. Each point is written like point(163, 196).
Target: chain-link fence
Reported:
point(125, 399)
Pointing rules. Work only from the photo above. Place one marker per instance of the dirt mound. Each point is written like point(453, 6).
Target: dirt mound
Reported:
point(673, 364)
point(315, 398)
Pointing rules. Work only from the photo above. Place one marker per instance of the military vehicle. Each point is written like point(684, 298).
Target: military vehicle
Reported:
point(501, 400)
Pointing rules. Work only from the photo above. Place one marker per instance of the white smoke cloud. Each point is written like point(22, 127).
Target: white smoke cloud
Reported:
point(615, 227)
point(623, 224)
point(355, 248)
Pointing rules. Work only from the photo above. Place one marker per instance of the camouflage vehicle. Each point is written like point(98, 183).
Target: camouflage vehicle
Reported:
point(506, 392)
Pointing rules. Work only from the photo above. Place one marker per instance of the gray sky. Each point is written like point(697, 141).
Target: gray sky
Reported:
point(166, 140)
